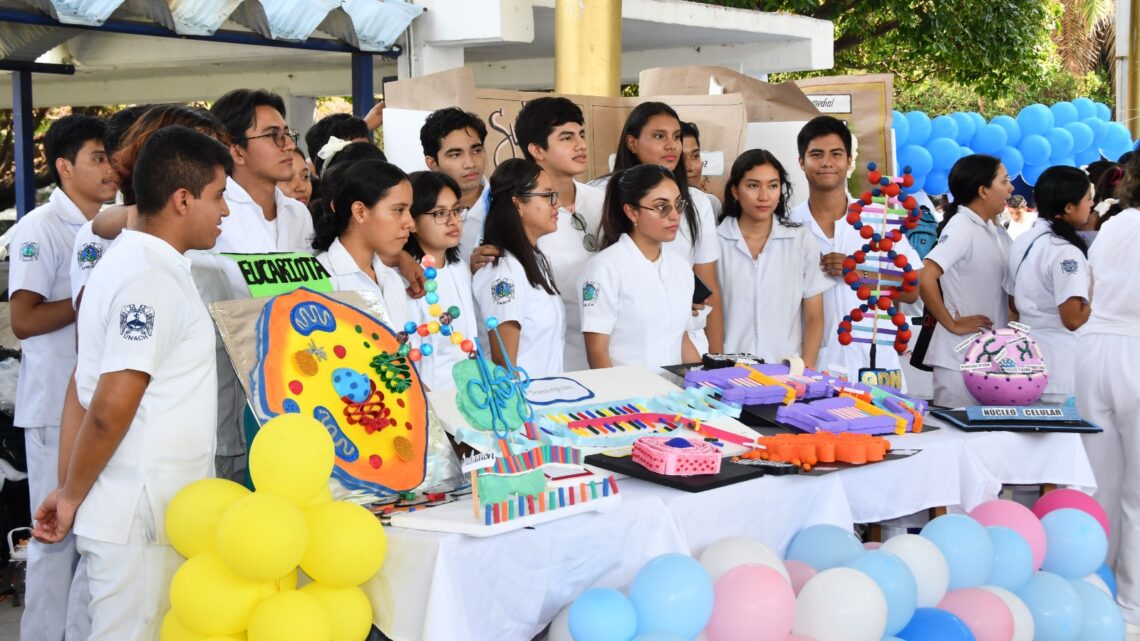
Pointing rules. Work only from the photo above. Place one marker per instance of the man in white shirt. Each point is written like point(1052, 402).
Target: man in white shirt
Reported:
point(43, 319)
point(452, 141)
point(145, 386)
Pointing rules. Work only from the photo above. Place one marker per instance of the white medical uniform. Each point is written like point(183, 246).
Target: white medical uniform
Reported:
point(454, 288)
point(1107, 382)
point(40, 254)
point(502, 290)
point(472, 236)
point(644, 306)
point(1047, 270)
point(973, 255)
point(141, 312)
point(566, 251)
point(86, 252)
point(764, 296)
point(346, 275)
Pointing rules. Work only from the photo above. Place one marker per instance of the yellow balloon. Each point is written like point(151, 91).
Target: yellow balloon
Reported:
point(209, 599)
point(292, 456)
point(346, 544)
point(262, 537)
point(322, 496)
point(193, 514)
point(173, 630)
point(347, 608)
point(290, 616)
point(225, 638)
point(284, 584)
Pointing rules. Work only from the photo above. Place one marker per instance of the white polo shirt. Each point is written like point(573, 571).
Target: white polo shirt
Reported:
point(1047, 270)
point(763, 297)
point(472, 235)
point(141, 312)
point(346, 275)
point(1115, 262)
point(454, 288)
point(643, 306)
point(567, 254)
point(973, 255)
point(40, 257)
point(502, 290)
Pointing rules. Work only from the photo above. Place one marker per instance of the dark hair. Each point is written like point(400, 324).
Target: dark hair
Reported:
point(343, 126)
point(1125, 157)
point(967, 176)
point(325, 192)
point(634, 123)
point(67, 136)
point(539, 117)
point(442, 122)
point(300, 152)
point(819, 127)
point(367, 181)
point(152, 120)
point(1128, 191)
point(176, 158)
point(1058, 187)
point(690, 130)
point(355, 152)
point(238, 109)
point(745, 162)
point(1106, 179)
point(118, 124)
point(503, 226)
point(628, 187)
point(426, 187)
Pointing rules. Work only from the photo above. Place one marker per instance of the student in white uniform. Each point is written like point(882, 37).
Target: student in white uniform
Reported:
point(964, 281)
point(635, 297)
point(695, 164)
point(439, 223)
point(300, 188)
point(43, 319)
point(363, 231)
point(1050, 274)
point(452, 140)
point(769, 267)
point(518, 289)
point(146, 386)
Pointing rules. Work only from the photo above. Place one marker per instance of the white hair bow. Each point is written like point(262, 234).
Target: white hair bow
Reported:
point(331, 147)
point(1104, 205)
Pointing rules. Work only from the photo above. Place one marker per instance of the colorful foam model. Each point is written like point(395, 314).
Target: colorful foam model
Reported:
point(676, 456)
point(1005, 367)
point(808, 450)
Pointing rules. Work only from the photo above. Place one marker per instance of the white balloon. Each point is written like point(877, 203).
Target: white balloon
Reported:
point(1023, 628)
point(560, 626)
point(926, 562)
point(1099, 582)
point(841, 604)
point(734, 551)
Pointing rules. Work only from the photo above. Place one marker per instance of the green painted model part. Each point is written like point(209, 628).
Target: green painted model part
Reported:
point(467, 371)
point(496, 488)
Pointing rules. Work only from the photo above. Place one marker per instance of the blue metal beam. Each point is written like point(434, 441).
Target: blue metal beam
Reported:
point(363, 79)
point(24, 143)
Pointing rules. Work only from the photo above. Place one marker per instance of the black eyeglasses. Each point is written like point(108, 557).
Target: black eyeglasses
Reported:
point(664, 210)
point(278, 135)
point(552, 196)
point(442, 216)
point(589, 238)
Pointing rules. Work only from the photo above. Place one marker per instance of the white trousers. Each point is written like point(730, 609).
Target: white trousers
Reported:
point(950, 390)
point(1108, 394)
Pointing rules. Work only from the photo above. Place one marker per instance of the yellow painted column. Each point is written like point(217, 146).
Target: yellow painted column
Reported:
point(587, 47)
point(1132, 109)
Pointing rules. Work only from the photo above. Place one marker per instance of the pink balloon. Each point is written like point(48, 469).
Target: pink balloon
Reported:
point(987, 616)
point(872, 545)
point(798, 637)
point(1018, 518)
point(1063, 498)
point(752, 603)
point(799, 572)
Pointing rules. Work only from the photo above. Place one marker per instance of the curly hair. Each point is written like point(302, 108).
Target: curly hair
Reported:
point(152, 120)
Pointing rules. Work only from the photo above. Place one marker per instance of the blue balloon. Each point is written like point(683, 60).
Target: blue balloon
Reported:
point(658, 636)
point(1012, 129)
point(966, 127)
point(902, 129)
point(944, 152)
point(1030, 173)
point(602, 614)
point(1035, 119)
point(979, 121)
point(824, 547)
point(1067, 161)
point(672, 593)
point(1116, 141)
point(1086, 108)
point(1013, 161)
point(967, 547)
point(897, 583)
point(918, 158)
point(1106, 575)
point(1102, 111)
point(1055, 606)
point(965, 151)
point(1088, 156)
point(1075, 543)
point(1035, 149)
point(932, 624)
point(943, 127)
point(1082, 135)
point(1060, 142)
point(919, 128)
point(937, 182)
point(989, 139)
point(1013, 559)
point(1098, 127)
point(1063, 113)
point(918, 185)
point(1102, 618)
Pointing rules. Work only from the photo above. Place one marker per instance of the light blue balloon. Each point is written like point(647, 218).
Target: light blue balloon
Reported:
point(897, 583)
point(823, 547)
point(1082, 135)
point(918, 185)
point(937, 182)
point(1098, 127)
point(902, 129)
point(944, 152)
point(1013, 559)
point(1030, 173)
point(966, 127)
point(1102, 111)
point(1035, 119)
point(1058, 614)
point(602, 614)
point(979, 121)
point(1012, 129)
point(1060, 141)
point(1086, 108)
point(1067, 161)
point(943, 127)
point(658, 636)
point(1106, 575)
point(672, 593)
point(1117, 140)
point(917, 158)
point(1075, 543)
point(932, 624)
point(1035, 149)
point(1063, 113)
point(989, 140)
point(919, 128)
point(1103, 620)
point(1088, 156)
point(967, 547)
point(1013, 160)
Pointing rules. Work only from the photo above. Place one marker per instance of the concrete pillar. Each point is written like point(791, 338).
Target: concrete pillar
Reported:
point(587, 47)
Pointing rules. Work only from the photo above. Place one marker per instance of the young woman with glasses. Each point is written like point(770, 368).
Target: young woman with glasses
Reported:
point(635, 296)
point(769, 267)
point(439, 225)
point(518, 288)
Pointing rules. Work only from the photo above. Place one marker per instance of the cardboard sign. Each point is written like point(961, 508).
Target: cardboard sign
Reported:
point(281, 273)
point(864, 103)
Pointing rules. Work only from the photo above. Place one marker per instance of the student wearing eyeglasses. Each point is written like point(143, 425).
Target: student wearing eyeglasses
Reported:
point(634, 296)
point(769, 267)
point(518, 288)
point(439, 222)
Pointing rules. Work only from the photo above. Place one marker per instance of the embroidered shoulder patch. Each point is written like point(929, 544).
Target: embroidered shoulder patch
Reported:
point(136, 322)
point(1069, 266)
point(89, 254)
point(590, 293)
point(30, 251)
point(943, 238)
point(503, 291)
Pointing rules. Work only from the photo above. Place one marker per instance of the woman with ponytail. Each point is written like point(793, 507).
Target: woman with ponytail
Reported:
point(962, 282)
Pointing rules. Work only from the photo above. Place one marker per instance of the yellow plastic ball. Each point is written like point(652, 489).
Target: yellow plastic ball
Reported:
point(435, 310)
point(456, 337)
point(347, 608)
point(209, 599)
point(433, 327)
point(284, 584)
point(262, 537)
point(193, 514)
point(346, 544)
point(173, 630)
point(290, 616)
point(322, 496)
point(292, 456)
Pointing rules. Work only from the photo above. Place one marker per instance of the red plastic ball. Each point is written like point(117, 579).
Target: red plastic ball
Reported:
point(908, 180)
point(884, 303)
point(864, 292)
point(415, 355)
point(422, 330)
point(910, 224)
point(907, 287)
point(866, 231)
point(866, 198)
point(904, 335)
point(851, 277)
point(898, 319)
point(892, 189)
point(852, 217)
point(886, 244)
point(849, 263)
point(910, 202)
point(856, 314)
point(859, 256)
point(901, 261)
point(845, 339)
point(874, 177)
point(845, 326)
point(900, 348)
point(467, 345)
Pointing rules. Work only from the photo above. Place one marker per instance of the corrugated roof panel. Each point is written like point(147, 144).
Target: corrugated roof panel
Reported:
point(371, 25)
point(292, 20)
point(27, 42)
point(187, 17)
point(91, 13)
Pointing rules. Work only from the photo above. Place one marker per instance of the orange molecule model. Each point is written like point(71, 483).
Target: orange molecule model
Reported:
point(807, 450)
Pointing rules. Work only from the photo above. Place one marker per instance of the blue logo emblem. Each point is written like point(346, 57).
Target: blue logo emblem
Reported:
point(89, 255)
point(590, 293)
point(29, 251)
point(136, 322)
point(1069, 266)
point(503, 291)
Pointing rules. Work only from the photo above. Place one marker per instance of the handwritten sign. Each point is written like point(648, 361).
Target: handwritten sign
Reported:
point(480, 461)
point(281, 273)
